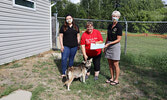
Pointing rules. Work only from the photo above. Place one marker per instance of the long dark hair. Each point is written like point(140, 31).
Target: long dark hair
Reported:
point(66, 24)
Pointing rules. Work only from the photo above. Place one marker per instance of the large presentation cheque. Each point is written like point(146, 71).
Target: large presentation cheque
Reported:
point(97, 46)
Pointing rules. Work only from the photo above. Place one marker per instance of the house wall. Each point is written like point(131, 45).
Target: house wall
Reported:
point(23, 32)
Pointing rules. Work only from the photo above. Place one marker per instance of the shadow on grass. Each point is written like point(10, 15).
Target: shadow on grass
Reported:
point(104, 71)
point(138, 81)
point(58, 63)
point(151, 81)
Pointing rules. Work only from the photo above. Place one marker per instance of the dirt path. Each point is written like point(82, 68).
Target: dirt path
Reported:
point(34, 73)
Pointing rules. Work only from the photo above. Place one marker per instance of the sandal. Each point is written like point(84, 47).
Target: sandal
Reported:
point(62, 76)
point(96, 78)
point(114, 83)
point(109, 81)
point(86, 77)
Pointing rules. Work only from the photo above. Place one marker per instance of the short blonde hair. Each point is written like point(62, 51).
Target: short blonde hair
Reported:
point(116, 13)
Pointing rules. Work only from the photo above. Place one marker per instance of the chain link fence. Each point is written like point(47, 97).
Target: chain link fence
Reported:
point(130, 28)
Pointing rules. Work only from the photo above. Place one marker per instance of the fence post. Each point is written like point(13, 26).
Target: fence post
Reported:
point(57, 28)
point(126, 30)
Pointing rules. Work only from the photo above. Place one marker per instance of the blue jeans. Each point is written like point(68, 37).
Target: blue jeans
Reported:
point(68, 54)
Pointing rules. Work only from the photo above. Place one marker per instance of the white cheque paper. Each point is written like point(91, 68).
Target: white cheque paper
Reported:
point(96, 46)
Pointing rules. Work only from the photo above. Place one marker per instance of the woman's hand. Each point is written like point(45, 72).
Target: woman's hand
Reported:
point(84, 52)
point(85, 57)
point(62, 48)
point(106, 45)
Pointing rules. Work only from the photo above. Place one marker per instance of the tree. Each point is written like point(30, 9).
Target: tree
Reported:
point(71, 9)
point(132, 10)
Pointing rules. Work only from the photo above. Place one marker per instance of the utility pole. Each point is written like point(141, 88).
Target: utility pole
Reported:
point(51, 21)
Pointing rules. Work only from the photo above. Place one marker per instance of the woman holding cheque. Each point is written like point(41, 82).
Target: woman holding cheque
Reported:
point(113, 48)
point(91, 35)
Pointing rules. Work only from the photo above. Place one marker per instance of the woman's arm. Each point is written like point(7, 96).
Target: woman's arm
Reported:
point(61, 42)
point(84, 52)
point(114, 42)
point(78, 38)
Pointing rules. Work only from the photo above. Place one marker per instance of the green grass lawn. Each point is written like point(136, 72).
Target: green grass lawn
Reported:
point(146, 63)
point(142, 76)
point(143, 72)
point(147, 52)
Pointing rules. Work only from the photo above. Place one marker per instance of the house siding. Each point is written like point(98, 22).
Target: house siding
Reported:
point(23, 32)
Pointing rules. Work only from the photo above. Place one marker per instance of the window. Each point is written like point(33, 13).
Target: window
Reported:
point(30, 4)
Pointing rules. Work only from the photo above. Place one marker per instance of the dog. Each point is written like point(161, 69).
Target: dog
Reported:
point(77, 72)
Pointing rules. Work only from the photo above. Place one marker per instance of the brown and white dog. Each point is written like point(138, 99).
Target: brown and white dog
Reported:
point(77, 72)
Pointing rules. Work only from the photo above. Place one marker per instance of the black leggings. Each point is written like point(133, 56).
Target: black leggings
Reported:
point(96, 62)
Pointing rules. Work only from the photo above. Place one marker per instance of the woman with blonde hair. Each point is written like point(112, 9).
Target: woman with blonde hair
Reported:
point(113, 48)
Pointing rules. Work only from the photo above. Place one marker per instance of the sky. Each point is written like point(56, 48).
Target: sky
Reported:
point(165, 1)
point(76, 1)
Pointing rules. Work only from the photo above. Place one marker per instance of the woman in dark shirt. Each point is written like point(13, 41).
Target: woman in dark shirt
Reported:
point(113, 48)
point(69, 39)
